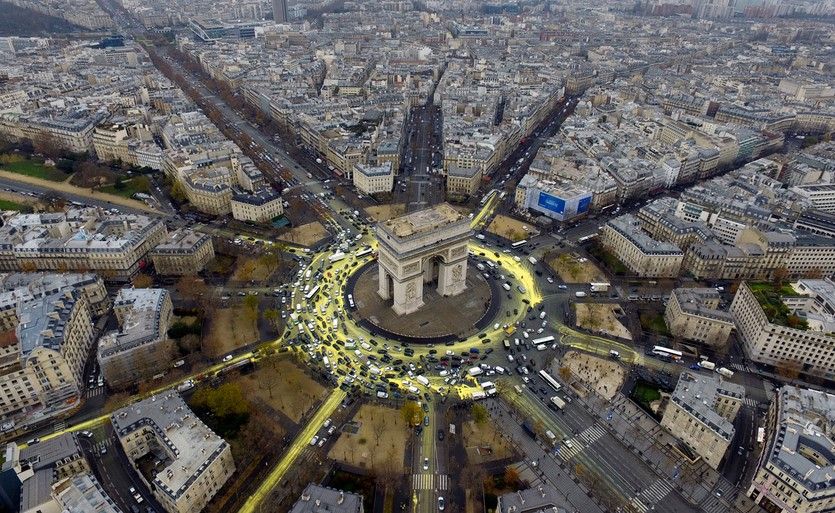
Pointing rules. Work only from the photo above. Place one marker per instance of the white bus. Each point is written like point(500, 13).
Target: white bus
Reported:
point(312, 292)
point(550, 380)
point(760, 435)
point(519, 243)
point(543, 340)
point(363, 252)
point(336, 257)
point(666, 352)
point(487, 197)
point(587, 237)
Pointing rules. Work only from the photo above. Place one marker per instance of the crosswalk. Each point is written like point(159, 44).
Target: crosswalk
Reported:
point(92, 392)
point(592, 434)
point(59, 426)
point(740, 367)
point(101, 445)
point(714, 504)
point(646, 499)
point(587, 437)
point(750, 402)
point(430, 481)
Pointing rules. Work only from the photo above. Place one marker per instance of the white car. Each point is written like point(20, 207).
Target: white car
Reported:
point(425, 463)
point(227, 358)
point(314, 440)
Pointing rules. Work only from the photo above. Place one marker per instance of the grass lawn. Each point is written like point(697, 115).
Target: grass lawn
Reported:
point(773, 306)
point(283, 386)
point(11, 205)
point(645, 394)
point(379, 443)
point(785, 290)
point(654, 322)
point(126, 192)
point(34, 169)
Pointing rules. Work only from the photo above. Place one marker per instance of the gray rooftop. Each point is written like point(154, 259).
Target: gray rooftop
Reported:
point(544, 498)
point(693, 301)
point(628, 226)
point(805, 425)
point(697, 394)
point(321, 499)
point(190, 444)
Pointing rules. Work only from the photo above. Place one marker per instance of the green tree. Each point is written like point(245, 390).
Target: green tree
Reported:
point(479, 413)
point(177, 192)
point(251, 305)
point(411, 413)
point(273, 316)
point(142, 184)
point(120, 183)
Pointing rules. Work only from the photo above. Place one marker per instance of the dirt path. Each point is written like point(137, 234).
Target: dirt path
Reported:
point(68, 188)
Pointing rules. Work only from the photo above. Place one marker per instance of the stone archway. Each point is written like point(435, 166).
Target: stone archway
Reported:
point(421, 248)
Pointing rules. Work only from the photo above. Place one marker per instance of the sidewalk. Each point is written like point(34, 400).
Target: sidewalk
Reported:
point(645, 437)
point(68, 188)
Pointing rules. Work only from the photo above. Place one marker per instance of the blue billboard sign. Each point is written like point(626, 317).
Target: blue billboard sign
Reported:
point(552, 203)
point(583, 204)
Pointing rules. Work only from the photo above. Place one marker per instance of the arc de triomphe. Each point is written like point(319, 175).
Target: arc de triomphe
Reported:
point(419, 248)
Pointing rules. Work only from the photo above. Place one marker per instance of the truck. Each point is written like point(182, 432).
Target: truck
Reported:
point(707, 365)
point(599, 287)
point(510, 330)
point(479, 394)
point(725, 372)
point(336, 257)
point(532, 260)
point(422, 380)
point(579, 293)
point(475, 371)
point(558, 402)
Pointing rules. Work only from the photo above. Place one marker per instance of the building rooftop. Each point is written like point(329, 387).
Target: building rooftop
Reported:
point(697, 394)
point(422, 221)
point(181, 241)
point(543, 499)
point(803, 444)
point(628, 226)
point(82, 493)
point(694, 301)
point(190, 445)
point(141, 321)
point(321, 499)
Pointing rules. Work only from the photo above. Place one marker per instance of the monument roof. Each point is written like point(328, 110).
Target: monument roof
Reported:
point(423, 221)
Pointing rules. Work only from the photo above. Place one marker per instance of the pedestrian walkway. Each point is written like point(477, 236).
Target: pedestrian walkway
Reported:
point(59, 426)
point(740, 367)
point(714, 504)
point(592, 434)
point(646, 499)
point(93, 392)
point(430, 482)
point(750, 402)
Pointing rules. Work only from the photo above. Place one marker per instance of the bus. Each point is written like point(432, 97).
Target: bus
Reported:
point(363, 252)
point(336, 257)
point(519, 243)
point(760, 435)
point(586, 238)
point(666, 352)
point(487, 197)
point(550, 380)
point(543, 340)
point(312, 292)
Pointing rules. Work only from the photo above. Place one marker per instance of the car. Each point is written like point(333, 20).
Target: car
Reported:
point(425, 463)
point(227, 358)
point(440, 434)
point(132, 490)
point(314, 440)
point(441, 503)
point(426, 420)
point(103, 450)
point(87, 434)
point(33, 441)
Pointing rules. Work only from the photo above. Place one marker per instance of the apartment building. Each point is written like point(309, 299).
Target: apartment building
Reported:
point(82, 493)
point(260, 207)
point(820, 195)
point(701, 412)
point(693, 314)
point(183, 252)
point(42, 360)
point(462, 181)
point(87, 239)
point(141, 348)
point(561, 201)
point(316, 498)
point(370, 179)
point(42, 466)
point(194, 462)
point(794, 470)
point(639, 252)
point(797, 331)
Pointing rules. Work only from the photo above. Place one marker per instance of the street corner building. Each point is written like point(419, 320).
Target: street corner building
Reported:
point(192, 463)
